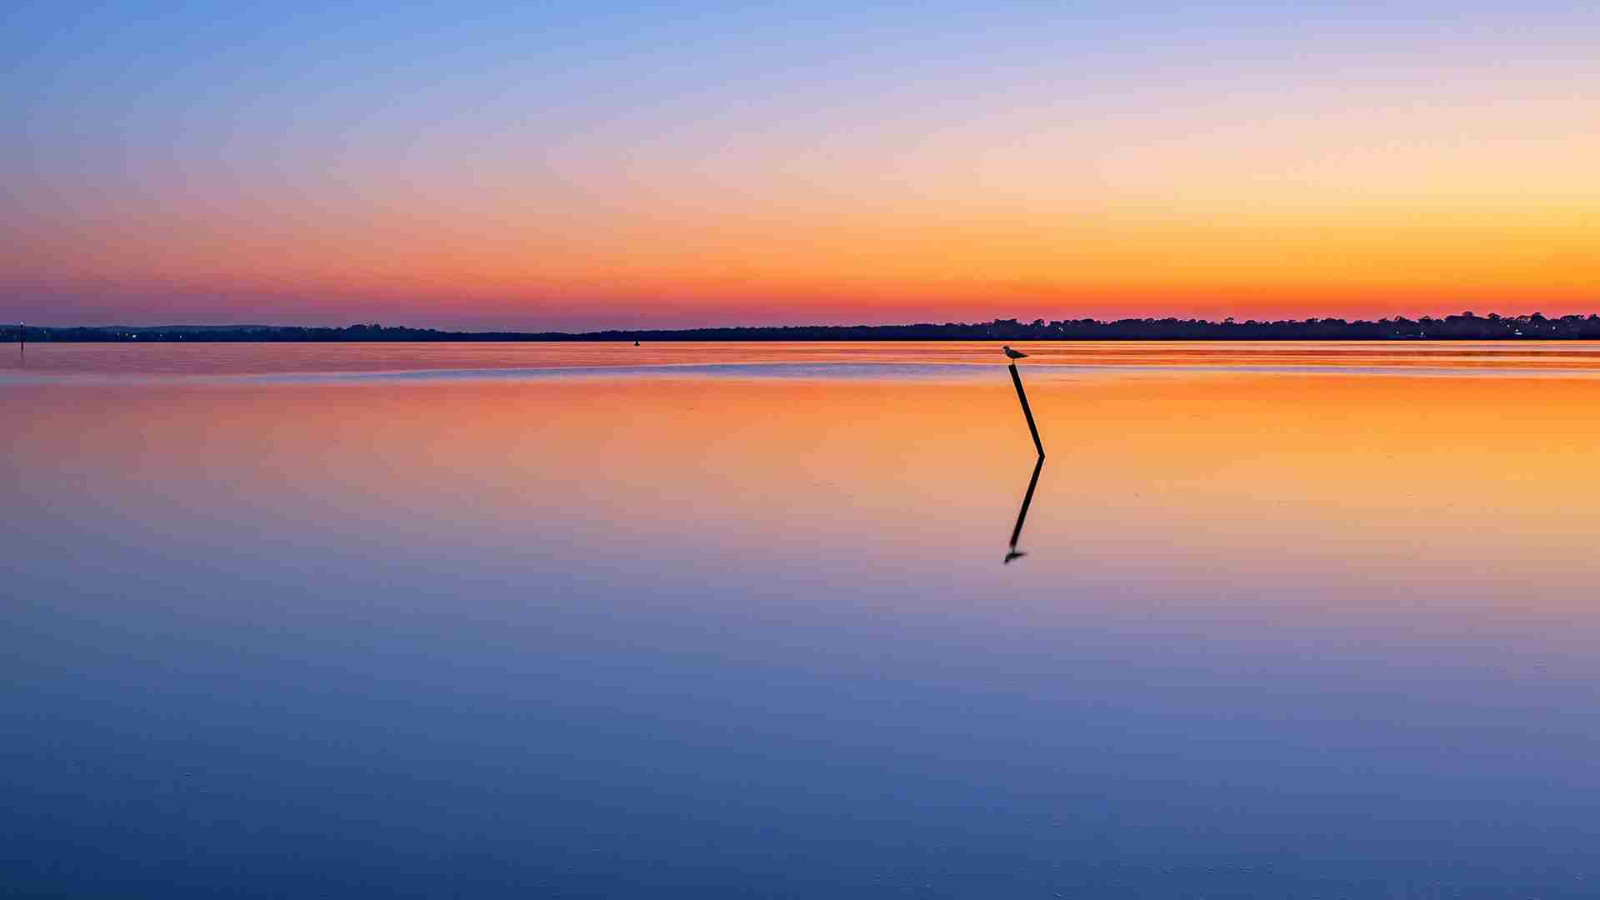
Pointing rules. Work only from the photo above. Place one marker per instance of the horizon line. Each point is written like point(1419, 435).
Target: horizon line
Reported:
point(1463, 316)
point(1466, 325)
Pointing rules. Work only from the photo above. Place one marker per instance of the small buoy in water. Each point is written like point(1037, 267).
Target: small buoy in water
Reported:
point(636, 343)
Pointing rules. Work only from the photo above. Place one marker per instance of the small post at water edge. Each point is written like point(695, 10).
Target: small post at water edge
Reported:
point(1022, 397)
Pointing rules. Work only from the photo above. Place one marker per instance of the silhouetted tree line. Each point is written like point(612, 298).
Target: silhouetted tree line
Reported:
point(1465, 326)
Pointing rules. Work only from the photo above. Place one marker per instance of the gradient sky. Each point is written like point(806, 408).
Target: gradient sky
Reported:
point(596, 165)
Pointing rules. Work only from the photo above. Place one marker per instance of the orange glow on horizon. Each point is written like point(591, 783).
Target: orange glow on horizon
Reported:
point(1361, 180)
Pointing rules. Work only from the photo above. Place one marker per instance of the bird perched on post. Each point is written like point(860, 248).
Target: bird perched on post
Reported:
point(1014, 354)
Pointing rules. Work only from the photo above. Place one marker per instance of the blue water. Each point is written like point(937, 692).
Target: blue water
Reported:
point(719, 637)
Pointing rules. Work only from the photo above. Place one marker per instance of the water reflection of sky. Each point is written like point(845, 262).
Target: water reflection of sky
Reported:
point(951, 359)
point(1312, 636)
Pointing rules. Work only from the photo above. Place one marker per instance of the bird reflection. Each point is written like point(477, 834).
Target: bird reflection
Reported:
point(1022, 514)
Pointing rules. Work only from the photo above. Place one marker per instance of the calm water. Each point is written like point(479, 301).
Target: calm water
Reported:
point(736, 621)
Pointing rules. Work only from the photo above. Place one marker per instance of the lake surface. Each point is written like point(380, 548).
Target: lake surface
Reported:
point(738, 620)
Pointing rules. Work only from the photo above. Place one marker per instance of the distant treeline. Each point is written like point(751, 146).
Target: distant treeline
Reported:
point(1463, 327)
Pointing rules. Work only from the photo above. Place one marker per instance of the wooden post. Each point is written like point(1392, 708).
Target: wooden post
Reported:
point(1028, 413)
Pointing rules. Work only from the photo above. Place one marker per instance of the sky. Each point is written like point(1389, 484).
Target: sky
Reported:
point(597, 165)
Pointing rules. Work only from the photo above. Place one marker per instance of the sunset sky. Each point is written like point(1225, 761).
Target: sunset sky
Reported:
point(591, 165)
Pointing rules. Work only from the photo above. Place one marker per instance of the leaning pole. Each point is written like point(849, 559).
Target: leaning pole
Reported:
point(1022, 397)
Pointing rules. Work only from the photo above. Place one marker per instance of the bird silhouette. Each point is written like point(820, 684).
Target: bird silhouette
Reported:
point(1014, 354)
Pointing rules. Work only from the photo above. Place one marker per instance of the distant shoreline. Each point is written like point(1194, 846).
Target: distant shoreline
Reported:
point(1462, 327)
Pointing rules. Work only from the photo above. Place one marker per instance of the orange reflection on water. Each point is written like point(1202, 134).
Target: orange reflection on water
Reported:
point(1450, 486)
point(468, 358)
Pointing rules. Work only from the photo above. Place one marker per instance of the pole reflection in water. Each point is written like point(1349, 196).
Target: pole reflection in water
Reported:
point(1022, 514)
